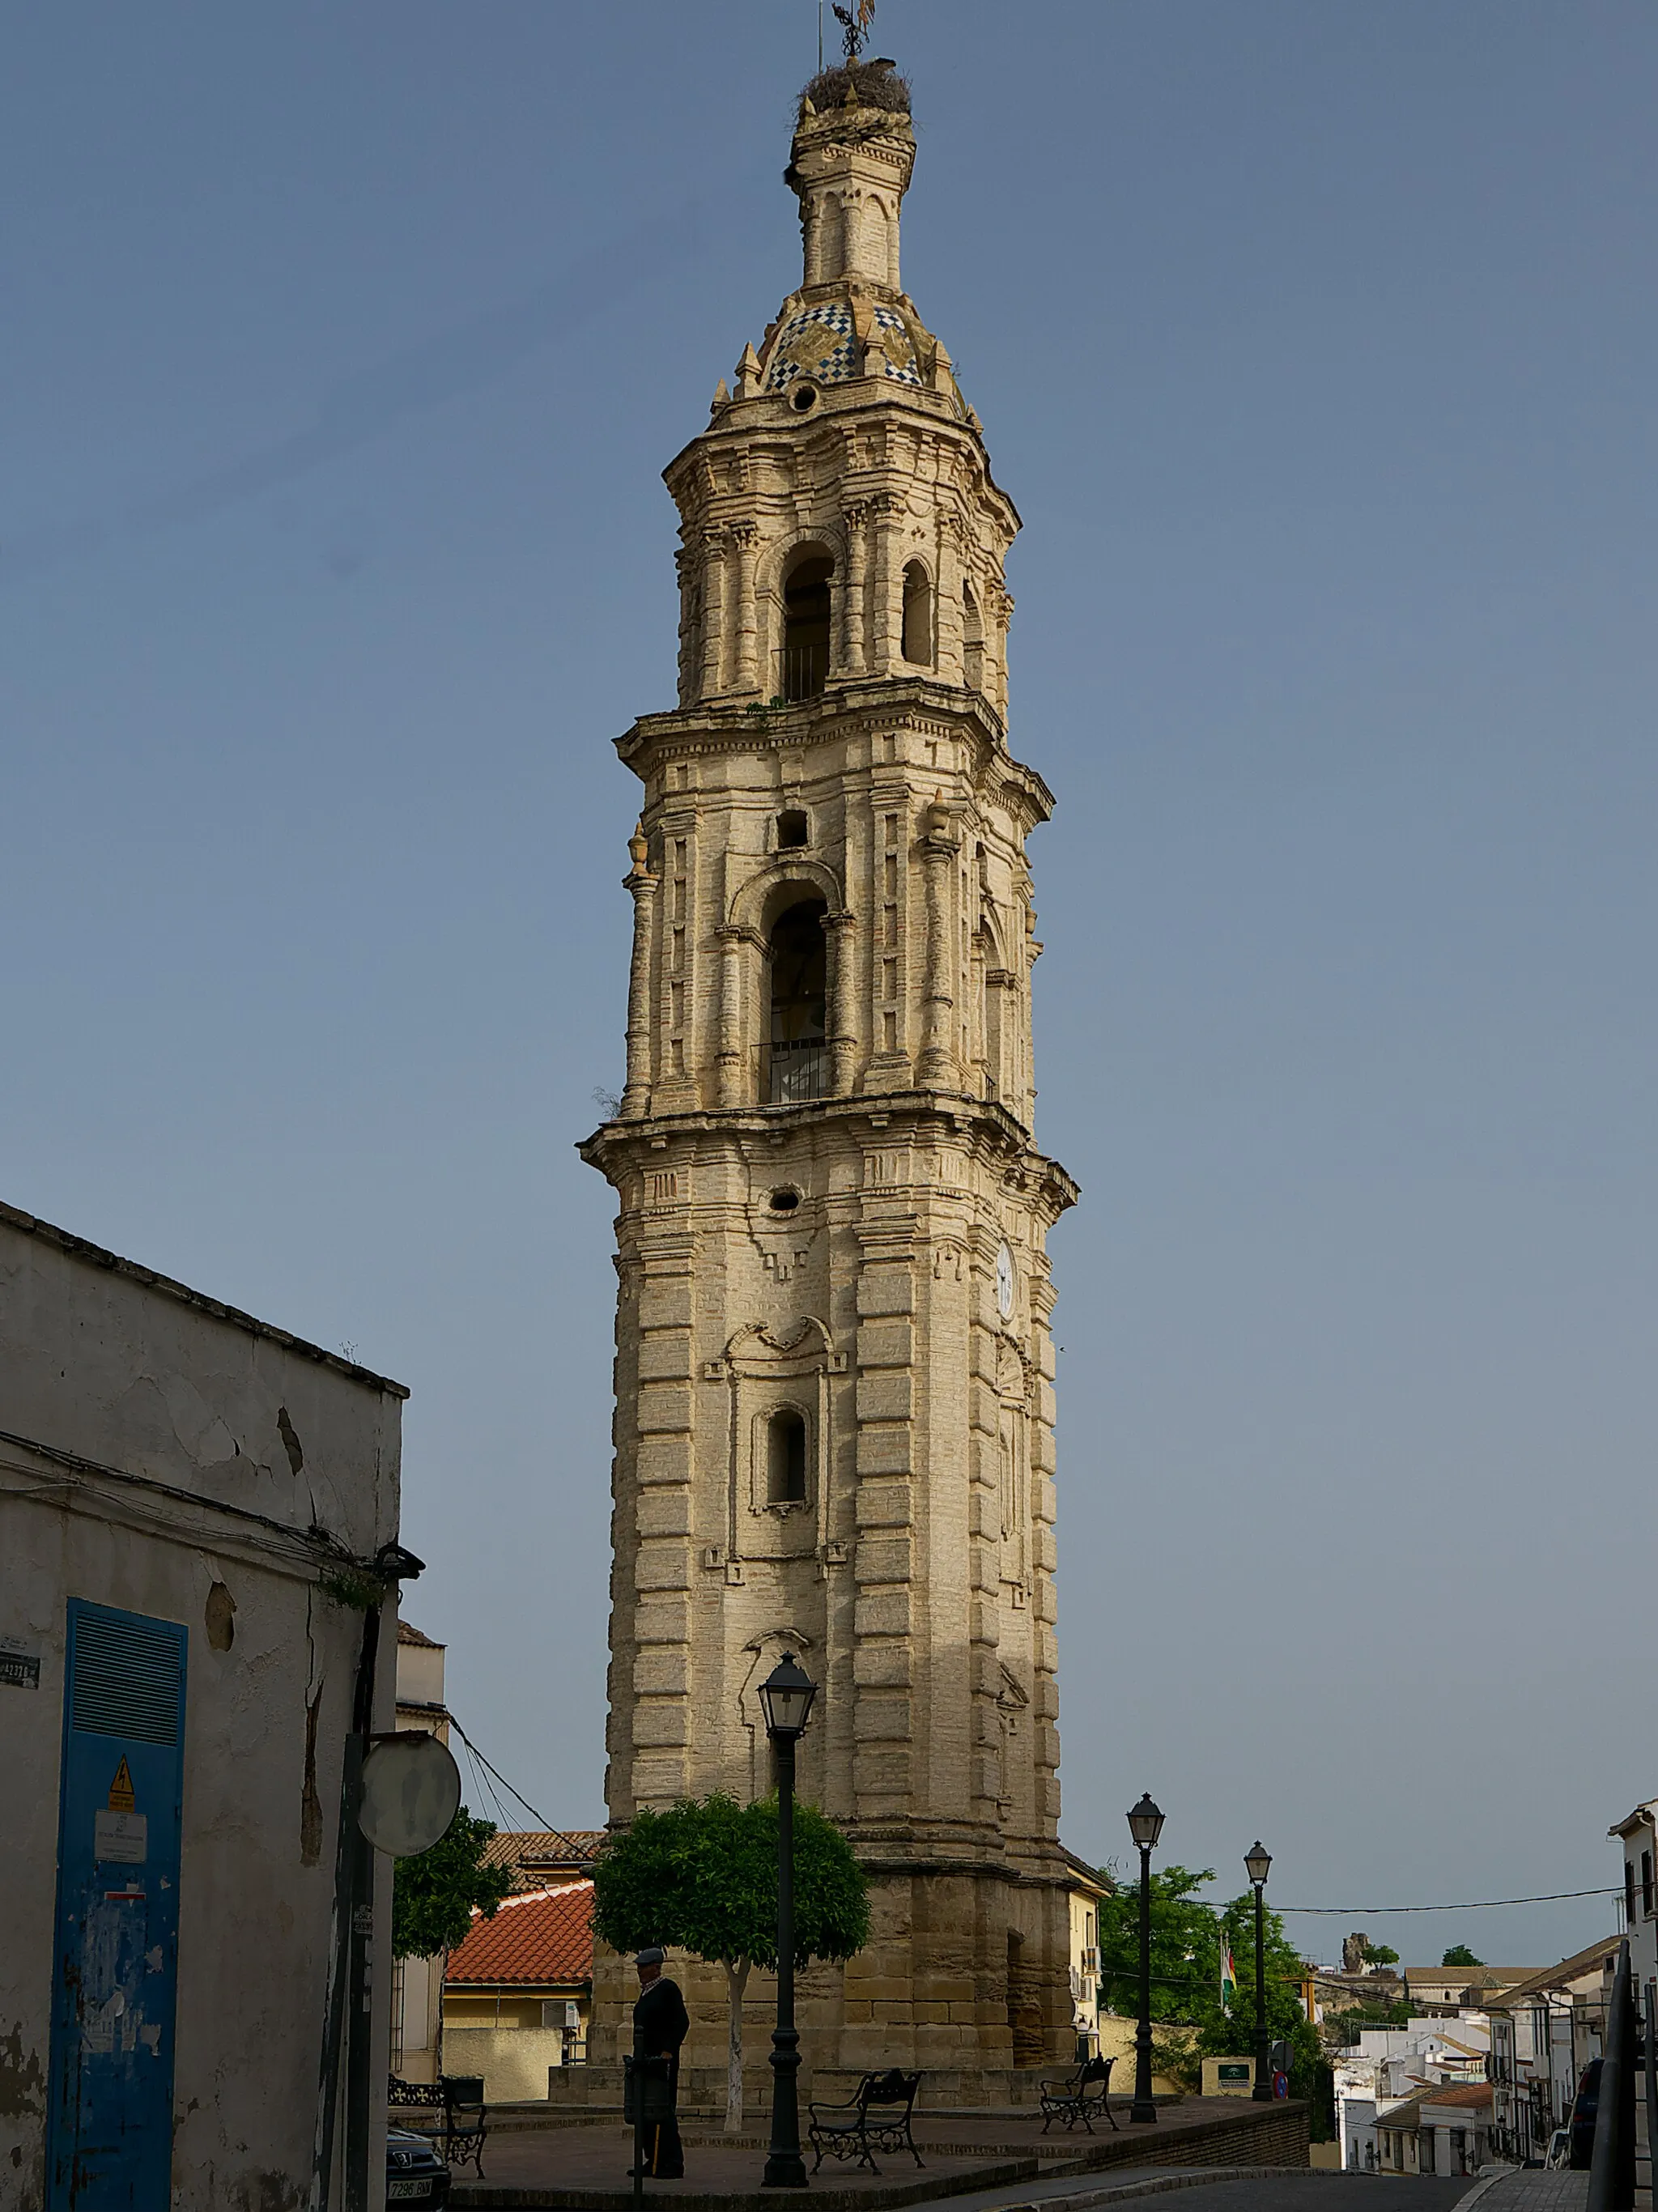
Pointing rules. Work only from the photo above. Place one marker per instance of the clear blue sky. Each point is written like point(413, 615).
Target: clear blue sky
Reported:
point(1316, 344)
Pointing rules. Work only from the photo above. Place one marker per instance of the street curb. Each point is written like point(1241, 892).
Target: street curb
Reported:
point(1486, 2181)
point(1194, 2177)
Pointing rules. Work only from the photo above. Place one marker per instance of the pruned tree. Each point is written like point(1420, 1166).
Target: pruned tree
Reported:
point(702, 1876)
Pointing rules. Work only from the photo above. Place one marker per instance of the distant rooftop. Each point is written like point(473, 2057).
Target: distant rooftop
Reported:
point(547, 1936)
point(530, 1855)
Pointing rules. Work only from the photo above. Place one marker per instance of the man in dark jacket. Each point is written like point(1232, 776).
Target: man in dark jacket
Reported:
point(660, 2026)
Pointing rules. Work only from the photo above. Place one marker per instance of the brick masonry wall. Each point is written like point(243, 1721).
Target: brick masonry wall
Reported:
point(1275, 2135)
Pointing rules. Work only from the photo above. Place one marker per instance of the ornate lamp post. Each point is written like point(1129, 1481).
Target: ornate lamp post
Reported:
point(1257, 1865)
point(785, 1697)
point(1144, 1826)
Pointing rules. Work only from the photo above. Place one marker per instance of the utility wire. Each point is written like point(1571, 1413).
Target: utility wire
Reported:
point(1478, 1905)
point(550, 1826)
point(1337, 1911)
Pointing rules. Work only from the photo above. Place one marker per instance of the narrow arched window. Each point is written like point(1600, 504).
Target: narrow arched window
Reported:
point(806, 626)
point(917, 616)
point(785, 1458)
point(973, 640)
point(799, 1005)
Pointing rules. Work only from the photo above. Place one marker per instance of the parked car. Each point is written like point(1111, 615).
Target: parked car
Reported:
point(1558, 2154)
point(1585, 2105)
point(415, 2174)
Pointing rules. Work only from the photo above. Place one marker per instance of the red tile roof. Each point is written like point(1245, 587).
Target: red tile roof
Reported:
point(408, 1634)
point(547, 1936)
point(1465, 2093)
point(534, 1857)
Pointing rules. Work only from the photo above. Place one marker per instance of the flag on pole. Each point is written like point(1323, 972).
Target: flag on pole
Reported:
point(1229, 1976)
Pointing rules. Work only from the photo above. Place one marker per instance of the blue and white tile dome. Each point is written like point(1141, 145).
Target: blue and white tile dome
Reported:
point(820, 342)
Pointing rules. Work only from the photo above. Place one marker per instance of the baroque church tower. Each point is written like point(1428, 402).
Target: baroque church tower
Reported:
point(834, 1376)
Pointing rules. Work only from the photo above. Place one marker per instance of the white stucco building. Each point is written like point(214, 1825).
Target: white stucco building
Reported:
point(190, 1500)
point(1544, 2033)
point(1389, 2064)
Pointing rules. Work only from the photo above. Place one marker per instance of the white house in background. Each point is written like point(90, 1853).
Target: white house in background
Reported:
point(1086, 1891)
point(1638, 1836)
point(1390, 2064)
point(417, 1983)
point(1544, 2033)
point(1445, 2130)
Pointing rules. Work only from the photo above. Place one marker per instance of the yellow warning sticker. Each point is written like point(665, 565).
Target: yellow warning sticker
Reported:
point(121, 1799)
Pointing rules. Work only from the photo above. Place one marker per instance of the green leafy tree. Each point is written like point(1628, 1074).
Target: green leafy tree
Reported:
point(1460, 1955)
point(1376, 1954)
point(702, 1876)
point(436, 1893)
point(1186, 1948)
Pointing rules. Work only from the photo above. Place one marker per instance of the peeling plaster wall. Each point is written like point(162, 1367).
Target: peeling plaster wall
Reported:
point(245, 1440)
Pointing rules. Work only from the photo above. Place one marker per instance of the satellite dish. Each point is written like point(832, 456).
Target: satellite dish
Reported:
point(410, 1792)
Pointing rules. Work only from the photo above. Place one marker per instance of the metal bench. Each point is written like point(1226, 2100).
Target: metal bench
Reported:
point(452, 2113)
point(876, 2116)
point(1078, 2095)
point(463, 2116)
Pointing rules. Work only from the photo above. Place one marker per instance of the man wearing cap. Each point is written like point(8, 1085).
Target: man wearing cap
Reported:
point(661, 2024)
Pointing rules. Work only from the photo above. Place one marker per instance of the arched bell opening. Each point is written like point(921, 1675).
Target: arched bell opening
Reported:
point(806, 615)
point(797, 974)
point(917, 638)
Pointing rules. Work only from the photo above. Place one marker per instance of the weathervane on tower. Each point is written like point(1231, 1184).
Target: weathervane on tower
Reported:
point(854, 27)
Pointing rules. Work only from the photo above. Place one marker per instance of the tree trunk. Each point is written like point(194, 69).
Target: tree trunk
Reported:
point(737, 1980)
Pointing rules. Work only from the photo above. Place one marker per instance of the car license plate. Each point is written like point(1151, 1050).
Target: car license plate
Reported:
point(418, 2192)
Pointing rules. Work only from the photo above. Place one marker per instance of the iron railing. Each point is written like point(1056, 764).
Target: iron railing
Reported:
point(797, 1072)
point(805, 667)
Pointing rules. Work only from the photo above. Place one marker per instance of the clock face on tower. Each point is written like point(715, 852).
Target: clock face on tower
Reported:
point(1005, 1283)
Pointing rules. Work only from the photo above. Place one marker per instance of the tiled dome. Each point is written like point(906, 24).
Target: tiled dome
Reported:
point(820, 342)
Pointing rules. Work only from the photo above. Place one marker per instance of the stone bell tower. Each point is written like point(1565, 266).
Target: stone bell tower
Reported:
point(833, 1375)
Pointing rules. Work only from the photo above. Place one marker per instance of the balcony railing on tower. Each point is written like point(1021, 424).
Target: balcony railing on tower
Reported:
point(805, 667)
point(793, 1073)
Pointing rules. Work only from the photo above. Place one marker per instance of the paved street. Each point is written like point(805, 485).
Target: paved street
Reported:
point(1318, 2192)
point(1283, 2192)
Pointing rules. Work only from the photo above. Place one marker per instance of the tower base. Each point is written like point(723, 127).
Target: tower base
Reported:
point(966, 1979)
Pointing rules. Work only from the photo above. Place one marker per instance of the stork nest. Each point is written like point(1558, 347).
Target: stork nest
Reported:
point(872, 84)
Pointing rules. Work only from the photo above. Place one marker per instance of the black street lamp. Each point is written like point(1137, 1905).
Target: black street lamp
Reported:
point(785, 1697)
point(1145, 1825)
point(1257, 1865)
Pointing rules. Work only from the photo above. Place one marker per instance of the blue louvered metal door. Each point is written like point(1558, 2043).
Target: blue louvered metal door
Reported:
point(116, 1955)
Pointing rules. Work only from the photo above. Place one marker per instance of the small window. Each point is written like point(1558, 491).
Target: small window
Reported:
point(791, 830)
point(803, 398)
point(785, 1458)
point(973, 640)
point(1646, 1885)
point(917, 616)
point(1629, 1892)
point(784, 1201)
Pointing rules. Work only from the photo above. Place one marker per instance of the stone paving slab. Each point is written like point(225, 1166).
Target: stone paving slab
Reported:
point(993, 2157)
point(1230, 2189)
point(1530, 2189)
